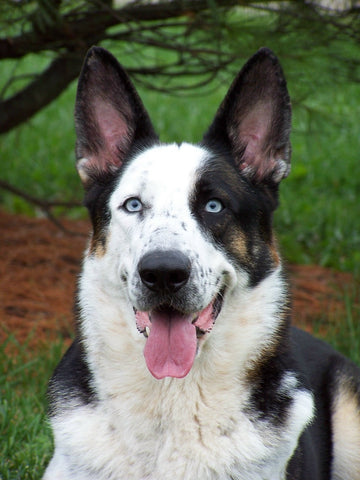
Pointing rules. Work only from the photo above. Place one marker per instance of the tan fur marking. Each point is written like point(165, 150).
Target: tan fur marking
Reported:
point(346, 436)
point(238, 244)
point(274, 251)
point(96, 247)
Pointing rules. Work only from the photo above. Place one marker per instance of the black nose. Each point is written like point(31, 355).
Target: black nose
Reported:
point(164, 271)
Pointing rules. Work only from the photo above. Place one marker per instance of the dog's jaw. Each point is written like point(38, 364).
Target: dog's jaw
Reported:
point(173, 337)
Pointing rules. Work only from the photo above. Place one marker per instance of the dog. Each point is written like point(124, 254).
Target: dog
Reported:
point(184, 365)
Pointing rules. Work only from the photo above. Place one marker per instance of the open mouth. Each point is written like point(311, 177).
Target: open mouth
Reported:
point(173, 336)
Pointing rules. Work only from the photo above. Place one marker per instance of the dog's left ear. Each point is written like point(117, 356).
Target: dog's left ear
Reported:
point(254, 120)
point(109, 116)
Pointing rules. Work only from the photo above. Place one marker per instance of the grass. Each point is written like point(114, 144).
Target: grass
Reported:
point(344, 334)
point(26, 444)
point(318, 220)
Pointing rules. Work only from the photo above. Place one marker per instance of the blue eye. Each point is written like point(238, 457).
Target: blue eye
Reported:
point(133, 205)
point(214, 206)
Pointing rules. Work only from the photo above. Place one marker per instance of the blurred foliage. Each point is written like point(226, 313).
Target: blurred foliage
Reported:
point(193, 42)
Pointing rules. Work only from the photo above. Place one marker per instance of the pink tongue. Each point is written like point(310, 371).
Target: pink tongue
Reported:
point(171, 347)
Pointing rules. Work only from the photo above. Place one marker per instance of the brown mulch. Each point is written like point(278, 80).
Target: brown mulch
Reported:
point(39, 265)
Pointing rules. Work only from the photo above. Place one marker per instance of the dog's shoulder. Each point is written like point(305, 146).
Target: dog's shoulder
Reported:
point(320, 363)
point(335, 383)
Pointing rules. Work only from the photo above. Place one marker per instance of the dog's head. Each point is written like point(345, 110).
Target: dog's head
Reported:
point(179, 231)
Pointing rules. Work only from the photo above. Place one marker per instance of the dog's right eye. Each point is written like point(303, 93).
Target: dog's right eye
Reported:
point(133, 205)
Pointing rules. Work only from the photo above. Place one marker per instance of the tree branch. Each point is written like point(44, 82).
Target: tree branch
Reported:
point(44, 205)
point(190, 37)
point(78, 30)
point(40, 92)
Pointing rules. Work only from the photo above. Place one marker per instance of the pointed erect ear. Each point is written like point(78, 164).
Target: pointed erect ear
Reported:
point(254, 120)
point(109, 116)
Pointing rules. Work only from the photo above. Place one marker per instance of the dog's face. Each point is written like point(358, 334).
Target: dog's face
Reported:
point(175, 289)
point(180, 231)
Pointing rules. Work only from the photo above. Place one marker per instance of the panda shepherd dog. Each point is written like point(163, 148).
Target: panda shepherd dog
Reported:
point(185, 366)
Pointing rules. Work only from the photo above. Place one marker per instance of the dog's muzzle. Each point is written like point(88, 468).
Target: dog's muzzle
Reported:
point(172, 328)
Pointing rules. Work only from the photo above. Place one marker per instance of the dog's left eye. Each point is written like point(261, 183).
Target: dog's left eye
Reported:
point(214, 206)
point(133, 205)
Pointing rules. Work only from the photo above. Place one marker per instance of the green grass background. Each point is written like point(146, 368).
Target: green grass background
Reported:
point(317, 222)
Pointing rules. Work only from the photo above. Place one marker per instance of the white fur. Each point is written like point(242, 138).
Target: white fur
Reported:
point(172, 429)
point(163, 178)
point(189, 428)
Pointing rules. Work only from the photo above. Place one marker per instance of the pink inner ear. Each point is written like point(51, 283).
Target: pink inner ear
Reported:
point(254, 128)
point(115, 135)
point(253, 133)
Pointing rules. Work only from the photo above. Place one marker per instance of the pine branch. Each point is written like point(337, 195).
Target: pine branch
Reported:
point(40, 92)
point(45, 206)
point(79, 30)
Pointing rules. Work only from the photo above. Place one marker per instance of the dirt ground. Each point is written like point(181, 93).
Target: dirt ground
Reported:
point(39, 265)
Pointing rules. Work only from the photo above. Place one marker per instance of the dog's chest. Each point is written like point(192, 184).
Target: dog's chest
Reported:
point(173, 434)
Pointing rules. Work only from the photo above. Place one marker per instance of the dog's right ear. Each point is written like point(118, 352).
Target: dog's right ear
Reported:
point(109, 117)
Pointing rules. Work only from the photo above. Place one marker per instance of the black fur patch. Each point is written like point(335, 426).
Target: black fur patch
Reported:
point(244, 227)
point(72, 379)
